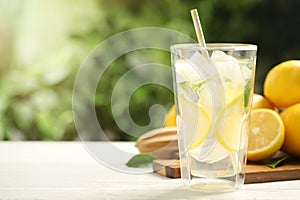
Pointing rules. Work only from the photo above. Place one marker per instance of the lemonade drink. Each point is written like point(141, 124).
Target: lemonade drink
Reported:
point(213, 91)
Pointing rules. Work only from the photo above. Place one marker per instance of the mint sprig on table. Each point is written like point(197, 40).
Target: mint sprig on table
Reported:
point(141, 161)
point(273, 163)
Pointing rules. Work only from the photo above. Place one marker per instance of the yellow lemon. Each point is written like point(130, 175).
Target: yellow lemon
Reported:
point(291, 120)
point(260, 101)
point(266, 134)
point(282, 84)
point(170, 119)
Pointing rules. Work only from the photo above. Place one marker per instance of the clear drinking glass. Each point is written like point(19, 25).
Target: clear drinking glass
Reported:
point(213, 92)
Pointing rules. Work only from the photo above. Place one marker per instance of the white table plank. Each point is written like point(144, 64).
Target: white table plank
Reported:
point(64, 170)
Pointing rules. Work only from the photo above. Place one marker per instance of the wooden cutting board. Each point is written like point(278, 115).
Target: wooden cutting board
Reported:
point(255, 172)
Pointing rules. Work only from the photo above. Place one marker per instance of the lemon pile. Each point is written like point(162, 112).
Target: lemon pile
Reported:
point(275, 119)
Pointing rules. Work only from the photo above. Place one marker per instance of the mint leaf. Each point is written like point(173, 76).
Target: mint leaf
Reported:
point(196, 86)
point(141, 161)
point(247, 90)
point(276, 162)
point(189, 91)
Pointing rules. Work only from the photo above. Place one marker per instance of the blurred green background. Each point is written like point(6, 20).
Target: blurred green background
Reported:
point(43, 43)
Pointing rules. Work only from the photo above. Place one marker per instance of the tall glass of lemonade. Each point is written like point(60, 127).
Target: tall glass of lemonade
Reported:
point(213, 92)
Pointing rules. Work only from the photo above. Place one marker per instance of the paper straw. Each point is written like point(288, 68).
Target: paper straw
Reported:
point(198, 27)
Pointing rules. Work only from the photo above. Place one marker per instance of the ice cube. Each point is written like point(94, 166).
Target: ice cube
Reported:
point(186, 72)
point(230, 68)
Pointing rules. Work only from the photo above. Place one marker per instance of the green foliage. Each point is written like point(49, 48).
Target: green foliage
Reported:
point(45, 48)
point(44, 42)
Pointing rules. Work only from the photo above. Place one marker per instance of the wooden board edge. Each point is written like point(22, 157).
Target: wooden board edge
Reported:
point(167, 168)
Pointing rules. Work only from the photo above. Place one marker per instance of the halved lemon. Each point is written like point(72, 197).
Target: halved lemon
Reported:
point(266, 134)
point(196, 122)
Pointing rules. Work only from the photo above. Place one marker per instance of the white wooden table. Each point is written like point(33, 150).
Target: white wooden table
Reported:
point(65, 170)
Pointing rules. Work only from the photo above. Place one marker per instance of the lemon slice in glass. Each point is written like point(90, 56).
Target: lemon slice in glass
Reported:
point(231, 120)
point(196, 122)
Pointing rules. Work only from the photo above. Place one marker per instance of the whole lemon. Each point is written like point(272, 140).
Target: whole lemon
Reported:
point(260, 101)
point(170, 119)
point(291, 120)
point(282, 84)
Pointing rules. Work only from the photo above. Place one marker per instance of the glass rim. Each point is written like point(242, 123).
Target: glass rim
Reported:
point(215, 46)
